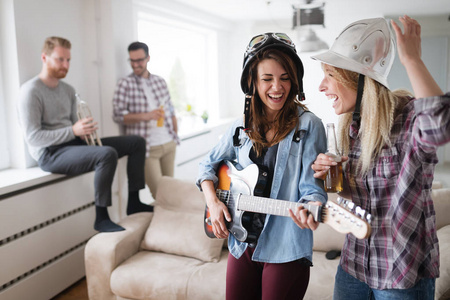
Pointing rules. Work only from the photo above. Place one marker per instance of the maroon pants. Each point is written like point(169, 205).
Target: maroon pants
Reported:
point(251, 280)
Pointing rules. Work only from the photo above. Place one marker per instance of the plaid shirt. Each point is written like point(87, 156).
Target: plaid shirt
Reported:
point(403, 247)
point(129, 97)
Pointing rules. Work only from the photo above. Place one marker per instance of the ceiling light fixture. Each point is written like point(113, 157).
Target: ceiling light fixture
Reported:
point(306, 16)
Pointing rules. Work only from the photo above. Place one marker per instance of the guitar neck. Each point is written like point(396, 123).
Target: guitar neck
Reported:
point(273, 206)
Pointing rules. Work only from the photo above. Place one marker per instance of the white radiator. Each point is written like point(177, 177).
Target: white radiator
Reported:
point(43, 231)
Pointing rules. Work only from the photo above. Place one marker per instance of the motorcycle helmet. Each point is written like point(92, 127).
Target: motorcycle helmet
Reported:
point(280, 41)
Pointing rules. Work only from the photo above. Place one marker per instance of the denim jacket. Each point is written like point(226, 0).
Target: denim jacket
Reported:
point(281, 240)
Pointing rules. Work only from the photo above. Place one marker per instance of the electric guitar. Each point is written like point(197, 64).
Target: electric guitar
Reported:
point(236, 190)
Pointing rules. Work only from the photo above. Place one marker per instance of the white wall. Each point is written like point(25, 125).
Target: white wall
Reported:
point(10, 80)
point(74, 20)
point(88, 25)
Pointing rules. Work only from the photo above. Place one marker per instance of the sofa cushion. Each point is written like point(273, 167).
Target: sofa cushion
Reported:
point(443, 282)
point(181, 234)
point(177, 226)
point(214, 274)
point(153, 275)
point(441, 200)
point(179, 195)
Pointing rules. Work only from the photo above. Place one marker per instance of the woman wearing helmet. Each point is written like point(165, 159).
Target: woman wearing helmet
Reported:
point(390, 140)
point(283, 139)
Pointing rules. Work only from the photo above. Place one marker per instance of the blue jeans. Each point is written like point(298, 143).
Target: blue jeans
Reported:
point(348, 287)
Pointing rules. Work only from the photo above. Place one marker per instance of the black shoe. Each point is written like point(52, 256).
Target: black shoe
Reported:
point(107, 225)
point(137, 208)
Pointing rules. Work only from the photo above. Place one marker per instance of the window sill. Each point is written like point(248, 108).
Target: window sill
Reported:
point(189, 127)
point(13, 180)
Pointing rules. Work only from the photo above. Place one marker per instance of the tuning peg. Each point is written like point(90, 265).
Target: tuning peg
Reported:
point(361, 212)
point(342, 202)
point(369, 218)
point(350, 205)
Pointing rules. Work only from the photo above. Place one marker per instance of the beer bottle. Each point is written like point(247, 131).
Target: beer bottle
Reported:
point(334, 182)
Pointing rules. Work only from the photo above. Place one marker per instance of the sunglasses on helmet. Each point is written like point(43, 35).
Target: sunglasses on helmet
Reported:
point(260, 40)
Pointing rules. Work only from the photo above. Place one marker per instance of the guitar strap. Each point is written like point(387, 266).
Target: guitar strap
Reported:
point(261, 184)
point(298, 135)
point(236, 140)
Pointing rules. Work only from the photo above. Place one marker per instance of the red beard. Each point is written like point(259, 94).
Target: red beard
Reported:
point(57, 72)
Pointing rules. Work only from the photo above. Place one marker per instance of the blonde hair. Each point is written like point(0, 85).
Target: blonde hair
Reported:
point(379, 107)
point(54, 41)
point(287, 118)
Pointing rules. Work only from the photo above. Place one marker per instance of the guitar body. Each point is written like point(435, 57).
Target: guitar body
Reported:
point(249, 181)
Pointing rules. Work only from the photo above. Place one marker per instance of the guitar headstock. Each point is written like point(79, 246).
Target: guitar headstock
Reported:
point(345, 217)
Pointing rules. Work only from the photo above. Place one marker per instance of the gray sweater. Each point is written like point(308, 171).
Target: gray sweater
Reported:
point(46, 114)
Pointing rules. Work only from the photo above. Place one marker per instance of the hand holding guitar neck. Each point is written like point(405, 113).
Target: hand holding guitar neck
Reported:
point(302, 217)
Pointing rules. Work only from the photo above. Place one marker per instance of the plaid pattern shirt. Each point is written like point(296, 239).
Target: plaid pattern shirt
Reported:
point(403, 247)
point(129, 97)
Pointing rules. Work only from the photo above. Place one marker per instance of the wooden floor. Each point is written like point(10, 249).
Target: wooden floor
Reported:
point(78, 291)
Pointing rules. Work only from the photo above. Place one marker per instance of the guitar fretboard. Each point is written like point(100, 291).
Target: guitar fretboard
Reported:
point(272, 206)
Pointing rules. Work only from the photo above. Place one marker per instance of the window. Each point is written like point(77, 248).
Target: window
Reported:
point(4, 154)
point(185, 55)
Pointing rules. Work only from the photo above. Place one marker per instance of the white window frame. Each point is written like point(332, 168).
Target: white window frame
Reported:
point(209, 92)
point(5, 161)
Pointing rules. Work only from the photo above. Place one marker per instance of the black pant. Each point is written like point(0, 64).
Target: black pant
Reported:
point(75, 157)
point(251, 280)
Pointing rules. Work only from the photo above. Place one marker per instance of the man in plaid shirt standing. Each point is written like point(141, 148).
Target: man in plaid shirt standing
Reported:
point(142, 105)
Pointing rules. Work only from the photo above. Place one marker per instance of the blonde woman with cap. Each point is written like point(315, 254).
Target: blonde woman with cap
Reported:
point(389, 140)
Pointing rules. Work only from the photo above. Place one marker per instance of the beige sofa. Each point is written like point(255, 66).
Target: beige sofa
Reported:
point(166, 255)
